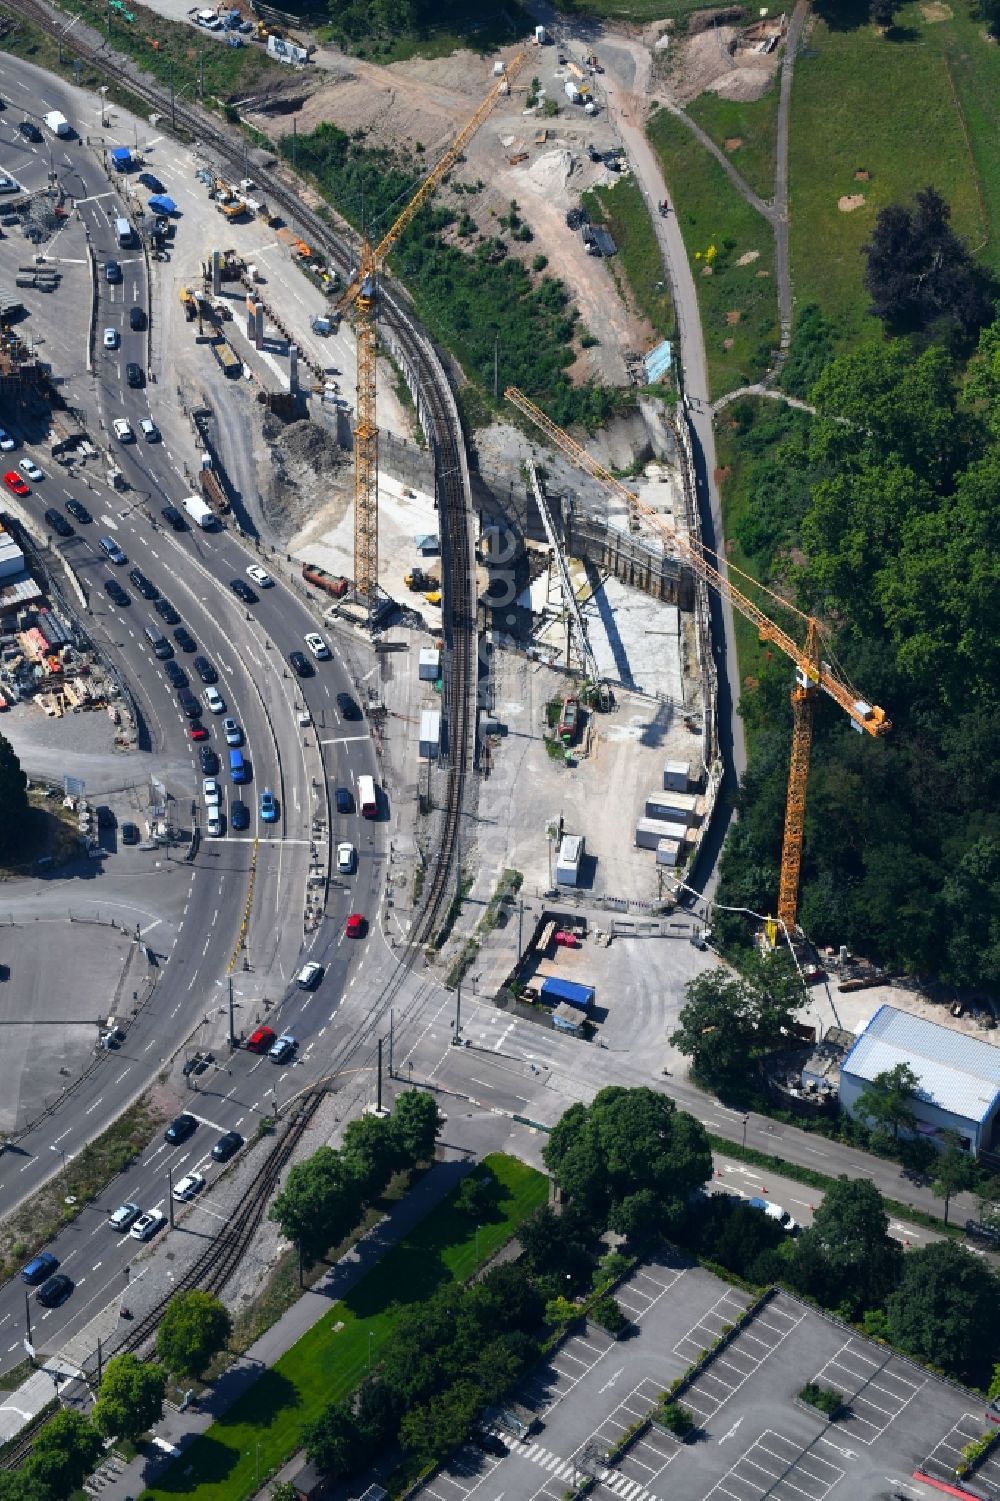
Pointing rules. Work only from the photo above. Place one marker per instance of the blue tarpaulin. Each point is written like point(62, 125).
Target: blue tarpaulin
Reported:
point(161, 204)
point(121, 158)
point(657, 362)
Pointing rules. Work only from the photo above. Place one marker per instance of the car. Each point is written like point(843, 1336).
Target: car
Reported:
point(112, 551)
point(209, 760)
point(173, 517)
point(345, 858)
point(79, 511)
point(189, 703)
point(112, 272)
point(122, 429)
point(243, 591)
point(39, 1267)
point(184, 639)
point(175, 673)
point(15, 483)
point(189, 1185)
point(165, 610)
point(347, 706)
point(180, 1128)
point(205, 670)
point(111, 338)
point(301, 664)
point(260, 1040)
point(268, 807)
point(31, 471)
point(309, 975)
point(357, 925)
point(227, 1146)
point(29, 130)
point(261, 579)
point(239, 814)
point(211, 791)
point(150, 433)
point(232, 732)
point(317, 646)
point(57, 521)
point(775, 1212)
point(114, 590)
point(136, 319)
point(344, 800)
point(145, 586)
point(125, 1215)
point(282, 1050)
point(197, 730)
point(215, 701)
point(148, 1224)
point(490, 1443)
point(197, 1064)
point(135, 375)
point(130, 833)
point(152, 183)
point(213, 822)
point(6, 441)
point(56, 1290)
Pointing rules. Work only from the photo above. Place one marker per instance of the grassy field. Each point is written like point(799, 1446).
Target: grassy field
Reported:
point(739, 310)
point(638, 263)
point(754, 124)
point(918, 111)
point(264, 1428)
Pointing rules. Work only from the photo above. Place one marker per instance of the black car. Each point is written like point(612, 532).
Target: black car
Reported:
point(136, 319)
point(184, 639)
point(227, 1146)
point(209, 760)
point(57, 521)
point(188, 703)
point(152, 183)
point(135, 375)
point(347, 706)
point(205, 670)
point(239, 814)
point(173, 517)
point(146, 588)
point(180, 1128)
point(176, 674)
point(79, 510)
point(29, 130)
point(345, 802)
point(243, 591)
point(114, 590)
point(55, 1290)
point(302, 664)
point(165, 610)
point(130, 833)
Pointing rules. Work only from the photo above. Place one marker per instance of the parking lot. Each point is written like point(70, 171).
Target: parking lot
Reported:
point(754, 1439)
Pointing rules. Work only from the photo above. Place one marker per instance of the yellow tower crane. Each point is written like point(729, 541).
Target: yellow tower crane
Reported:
point(811, 672)
point(362, 295)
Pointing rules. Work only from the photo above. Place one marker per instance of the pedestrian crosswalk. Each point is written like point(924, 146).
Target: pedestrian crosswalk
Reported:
point(565, 1469)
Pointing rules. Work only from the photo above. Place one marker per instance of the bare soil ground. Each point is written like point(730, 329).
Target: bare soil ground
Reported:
point(722, 59)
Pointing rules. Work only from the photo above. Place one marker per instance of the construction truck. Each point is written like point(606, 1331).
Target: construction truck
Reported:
point(212, 491)
point(188, 304)
point(330, 583)
point(229, 362)
point(418, 580)
point(235, 209)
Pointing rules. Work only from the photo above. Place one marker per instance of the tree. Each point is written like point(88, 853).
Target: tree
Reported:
point(953, 1172)
point(21, 1485)
point(414, 1125)
point(989, 11)
point(886, 1101)
point(988, 1202)
point(333, 1441)
point(13, 800)
point(433, 1428)
point(883, 13)
point(946, 1311)
point(728, 1021)
point(194, 1327)
point(554, 1246)
point(130, 1399)
point(369, 1153)
point(847, 1257)
point(284, 1490)
point(477, 1195)
point(920, 273)
point(319, 1204)
point(64, 1453)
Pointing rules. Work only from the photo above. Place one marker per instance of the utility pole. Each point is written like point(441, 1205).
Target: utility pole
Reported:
point(458, 1014)
point(520, 925)
point(170, 1195)
point(391, 1024)
point(232, 1030)
point(378, 1079)
point(100, 1363)
point(28, 1341)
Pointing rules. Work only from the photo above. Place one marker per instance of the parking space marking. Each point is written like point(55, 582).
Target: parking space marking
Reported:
point(946, 1455)
point(712, 1387)
point(875, 1390)
point(708, 1328)
point(777, 1467)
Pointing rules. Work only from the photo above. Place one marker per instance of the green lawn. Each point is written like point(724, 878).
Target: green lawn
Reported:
point(265, 1426)
point(623, 209)
point(739, 307)
point(754, 124)
point(868, 103)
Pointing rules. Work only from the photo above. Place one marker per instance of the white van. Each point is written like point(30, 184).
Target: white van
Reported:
point(123, 232)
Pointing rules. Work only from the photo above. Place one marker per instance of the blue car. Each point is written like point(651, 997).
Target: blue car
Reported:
point(268, 807)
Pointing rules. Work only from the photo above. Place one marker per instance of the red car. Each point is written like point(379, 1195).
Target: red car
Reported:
point(197, 731)
point(356, 925)
point(14, 482)
point(261, 1040)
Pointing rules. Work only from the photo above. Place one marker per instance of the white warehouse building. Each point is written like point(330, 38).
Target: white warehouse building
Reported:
point(959, 1075)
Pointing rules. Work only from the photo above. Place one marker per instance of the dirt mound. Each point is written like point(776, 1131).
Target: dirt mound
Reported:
point(733, 143)
point(748, 257)
point(307, 443)
point(304, 456)
point(850, 202)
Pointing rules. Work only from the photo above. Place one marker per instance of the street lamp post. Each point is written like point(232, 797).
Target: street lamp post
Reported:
point(62, 1153)
point(746, 1118)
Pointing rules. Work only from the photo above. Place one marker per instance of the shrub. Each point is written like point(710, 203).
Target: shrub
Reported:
point(822, 1398)
point(608, 1313)
point(675, 1417)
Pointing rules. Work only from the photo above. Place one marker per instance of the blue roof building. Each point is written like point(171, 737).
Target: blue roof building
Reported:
point(959, 1075)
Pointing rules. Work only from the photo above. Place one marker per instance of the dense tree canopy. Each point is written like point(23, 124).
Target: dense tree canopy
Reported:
point(194, 1327)
point(946, 1310)
point(847, 1258)
point(63, 1454)
point(730, 1020)
point(130, 1398)
point(920, 274)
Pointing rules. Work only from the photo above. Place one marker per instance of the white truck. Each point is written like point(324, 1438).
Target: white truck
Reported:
point(200, 512)
point(57, 123)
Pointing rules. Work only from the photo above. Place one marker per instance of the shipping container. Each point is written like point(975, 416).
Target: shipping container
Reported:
point(429, 664)
point(430, 734)
point(649, 832)
point(330, 583)
point(230, 363)
point(676, 776)
point(675, 807)
point(566, 1019)
point(554, 989)
point(568, 860)
point(668, 852)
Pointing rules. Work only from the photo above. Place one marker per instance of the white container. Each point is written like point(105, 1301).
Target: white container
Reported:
point(649, 832)
point(57, 123)
point(568, 860)
point(676, 776)
point(429, 664)
point(572, 92)
point(430, 734)
point(668, 852)
point(540, 36)
point(676, 807)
